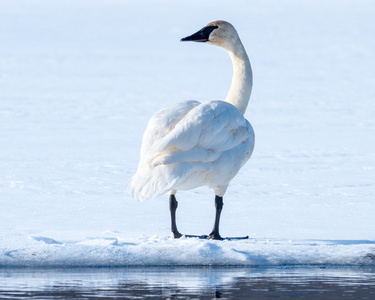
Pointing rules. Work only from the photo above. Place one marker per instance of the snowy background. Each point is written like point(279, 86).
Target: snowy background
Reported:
point(80, 79)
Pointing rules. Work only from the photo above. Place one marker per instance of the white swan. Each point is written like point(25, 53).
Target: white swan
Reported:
point(192, 144)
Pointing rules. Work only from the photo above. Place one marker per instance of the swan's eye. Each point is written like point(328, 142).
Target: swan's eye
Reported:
point(207, 30)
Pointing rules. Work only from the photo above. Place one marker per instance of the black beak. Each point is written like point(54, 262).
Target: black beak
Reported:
point(201, 35)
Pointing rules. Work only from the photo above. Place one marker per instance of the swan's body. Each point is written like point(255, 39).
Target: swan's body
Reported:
point(192, 144)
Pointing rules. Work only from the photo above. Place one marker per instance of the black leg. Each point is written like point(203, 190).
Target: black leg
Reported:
point(172, 207)
point(215, 235)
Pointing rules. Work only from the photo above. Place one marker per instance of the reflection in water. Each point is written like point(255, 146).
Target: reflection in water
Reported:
point(188, 283)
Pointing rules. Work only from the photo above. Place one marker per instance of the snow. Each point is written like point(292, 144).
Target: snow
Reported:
point(35, 251)
point(79, 82)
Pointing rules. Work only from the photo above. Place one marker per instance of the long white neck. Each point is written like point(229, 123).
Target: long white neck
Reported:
point(242, 80)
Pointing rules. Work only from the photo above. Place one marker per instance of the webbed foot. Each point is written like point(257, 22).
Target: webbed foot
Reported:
point(215, 236)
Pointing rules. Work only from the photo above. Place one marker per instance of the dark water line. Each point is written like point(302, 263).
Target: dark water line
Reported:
point(188, 283)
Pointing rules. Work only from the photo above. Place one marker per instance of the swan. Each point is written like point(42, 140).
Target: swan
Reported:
point(192, 144)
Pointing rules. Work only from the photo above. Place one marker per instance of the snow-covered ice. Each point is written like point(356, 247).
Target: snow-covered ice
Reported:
point(155, 251)
point(79, 81)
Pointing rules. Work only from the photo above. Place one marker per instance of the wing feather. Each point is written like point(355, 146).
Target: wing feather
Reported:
point(162, 123)
point(208, 129)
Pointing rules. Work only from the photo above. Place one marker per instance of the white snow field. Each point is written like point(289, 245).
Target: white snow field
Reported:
point(80, 79)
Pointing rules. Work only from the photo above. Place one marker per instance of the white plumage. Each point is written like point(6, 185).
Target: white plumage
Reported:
point(192, 144)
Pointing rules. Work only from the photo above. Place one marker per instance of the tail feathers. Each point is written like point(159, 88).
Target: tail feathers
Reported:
point(150, 182)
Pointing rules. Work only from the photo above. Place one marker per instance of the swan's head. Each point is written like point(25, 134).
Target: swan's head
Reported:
point(219, 33)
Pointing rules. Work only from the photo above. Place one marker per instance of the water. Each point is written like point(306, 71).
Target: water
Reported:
point(189, 283)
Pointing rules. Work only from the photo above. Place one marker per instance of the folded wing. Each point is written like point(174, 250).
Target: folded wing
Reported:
point(188, 134)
